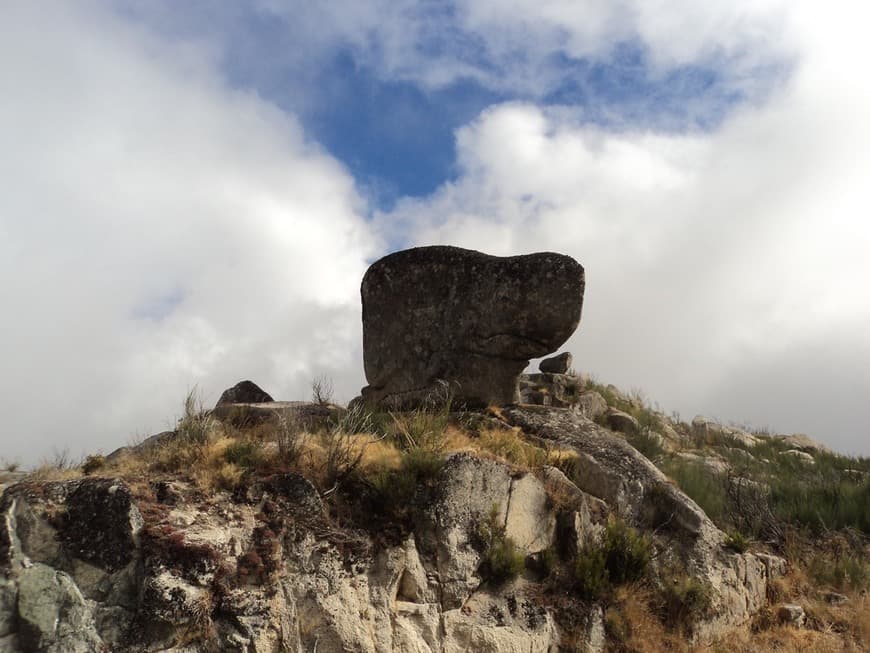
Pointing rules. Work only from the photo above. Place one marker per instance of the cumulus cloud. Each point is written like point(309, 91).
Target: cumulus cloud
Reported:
point(522, 46)
point(716, 262)
point(157, 230)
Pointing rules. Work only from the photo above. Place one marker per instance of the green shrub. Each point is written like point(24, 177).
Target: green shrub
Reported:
point(627, 552)
point(591, 578)
point(501, 560)
point(244, 453)
point(93, 463)
point(622, 557)
point(737, 542)
point(849, 570)
point(700, 485)
point(196, 424)
point(646, 442)
point(684, 599)
point(822, 504)
point(547, 561)
point(396, 488)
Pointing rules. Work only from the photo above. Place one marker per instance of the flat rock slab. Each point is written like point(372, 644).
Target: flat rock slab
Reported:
point(444, 315)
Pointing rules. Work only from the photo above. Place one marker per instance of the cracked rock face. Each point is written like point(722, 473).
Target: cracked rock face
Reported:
point(434, 314)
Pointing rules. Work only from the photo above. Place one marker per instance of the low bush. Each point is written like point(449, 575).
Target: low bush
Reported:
point(501, 560)
point(591, 577)
point(510, 446)
point(736, 542)
point(196, 424)
point(244, 453)
point(622, 557)
point(396, 487)
point(291, 439)
point(627, 552)
point(93, 463)
point(684, 599)
point(700, 485)
point(647, 442)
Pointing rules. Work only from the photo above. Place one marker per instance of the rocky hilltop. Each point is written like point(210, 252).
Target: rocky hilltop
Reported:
point(559, 519)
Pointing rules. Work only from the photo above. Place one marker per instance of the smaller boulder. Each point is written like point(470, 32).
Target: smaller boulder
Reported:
point(803, 456)
point(557, 364)
point(791, 614)
point(835, 598)
point(590, 404)
point(622, 422)
point(244, 392)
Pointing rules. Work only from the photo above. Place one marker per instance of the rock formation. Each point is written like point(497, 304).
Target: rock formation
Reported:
point(103, 564)
point(557, 364)
point(445, 314)
point(244, 392)
point(267, 569)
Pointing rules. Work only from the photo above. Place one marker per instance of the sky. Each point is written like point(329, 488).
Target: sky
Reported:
point(191, 192)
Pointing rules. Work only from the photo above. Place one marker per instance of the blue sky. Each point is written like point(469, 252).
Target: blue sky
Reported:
point(395, 133)
point(198, 188)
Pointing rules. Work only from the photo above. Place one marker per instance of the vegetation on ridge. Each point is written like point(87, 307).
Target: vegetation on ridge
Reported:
point(816, 514)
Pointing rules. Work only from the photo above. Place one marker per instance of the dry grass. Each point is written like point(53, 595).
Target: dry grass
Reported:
point(60, 467)
point(829, 628)
point(509, 446)
point(780, 639)
point(48, 472)
point(632, 625)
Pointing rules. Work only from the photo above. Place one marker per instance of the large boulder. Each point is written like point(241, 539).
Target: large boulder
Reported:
point(443, 314)
point(244, 392)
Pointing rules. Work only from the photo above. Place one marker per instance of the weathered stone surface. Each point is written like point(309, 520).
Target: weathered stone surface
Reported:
point(803, 442)
point(244, 392)
point(147, 445)
point(622, 421)
point(8, 478)
point(607, 467)
point(101, 524)
point(791, 614)
point(445, 314)
point(53, 616)
point(712, 463)
point(803, 456)
point(590, 404)
point(8, 603)
point(557, 364)
point(705, 425)
point(270, 571)
point(468, 490)
point(545, 389)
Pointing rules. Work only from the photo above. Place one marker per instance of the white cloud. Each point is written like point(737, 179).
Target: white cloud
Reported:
point(714, 261)
point(515, 45)
point(157, 230)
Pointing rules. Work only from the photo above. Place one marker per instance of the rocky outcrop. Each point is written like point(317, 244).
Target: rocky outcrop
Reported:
point(557, 364)
point(610, 469)
point(244, 392)
point(434, 315)
point(102, 564)
point(97, 564)
point(706, 426)
point(621, 421)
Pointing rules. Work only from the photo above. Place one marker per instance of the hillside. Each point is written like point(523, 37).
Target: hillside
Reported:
point(580, 519)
